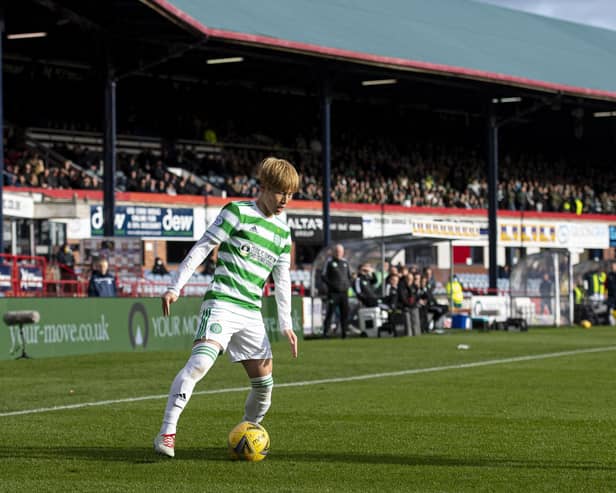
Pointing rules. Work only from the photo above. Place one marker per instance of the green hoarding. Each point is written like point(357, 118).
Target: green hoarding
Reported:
point(72, 326)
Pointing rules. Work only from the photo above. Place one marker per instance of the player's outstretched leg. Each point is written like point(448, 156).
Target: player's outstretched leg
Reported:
point(259, 398)
point(202, 358)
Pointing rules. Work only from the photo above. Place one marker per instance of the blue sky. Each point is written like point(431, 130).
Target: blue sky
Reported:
point(600, 13)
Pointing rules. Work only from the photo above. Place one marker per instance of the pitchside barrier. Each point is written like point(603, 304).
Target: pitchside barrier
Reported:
point(74, 326)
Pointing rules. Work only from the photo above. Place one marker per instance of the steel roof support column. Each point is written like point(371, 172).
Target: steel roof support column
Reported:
point(492, 198)
point(493, 125)
point(1, 136)
point(326, 103)
point(109, 154)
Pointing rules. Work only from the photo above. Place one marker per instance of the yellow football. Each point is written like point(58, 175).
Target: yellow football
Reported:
point(586, 324)
point(248, 441)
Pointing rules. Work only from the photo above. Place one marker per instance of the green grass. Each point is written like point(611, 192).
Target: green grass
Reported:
point(542, 425)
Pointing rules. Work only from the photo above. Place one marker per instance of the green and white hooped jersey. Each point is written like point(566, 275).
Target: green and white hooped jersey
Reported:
point(252, 246)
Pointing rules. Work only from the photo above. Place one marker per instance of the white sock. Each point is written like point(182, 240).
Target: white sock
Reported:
point(202, 358)
point(259, 398)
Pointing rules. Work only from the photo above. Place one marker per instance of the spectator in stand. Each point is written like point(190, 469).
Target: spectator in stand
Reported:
point(132, 184)
point(64, 178)
point(365, 169)
point(143, 185)
point(102, 282)
point(75, 179)
point(159, 268)
point(38, 165)
point(50, 178)
point(65, 256)
point(191, 186)
point(66, 264)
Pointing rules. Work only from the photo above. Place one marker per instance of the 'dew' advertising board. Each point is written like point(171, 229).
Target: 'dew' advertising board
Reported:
point(167, 222)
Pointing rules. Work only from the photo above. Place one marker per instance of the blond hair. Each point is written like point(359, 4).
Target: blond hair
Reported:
point(278, 175)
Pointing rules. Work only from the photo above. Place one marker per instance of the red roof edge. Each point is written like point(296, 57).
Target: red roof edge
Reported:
point(384, 60)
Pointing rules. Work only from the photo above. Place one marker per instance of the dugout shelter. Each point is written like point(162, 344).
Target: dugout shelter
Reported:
point(541, 289)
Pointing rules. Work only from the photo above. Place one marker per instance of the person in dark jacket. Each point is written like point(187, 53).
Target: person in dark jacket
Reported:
point(392, 292)
point(159, 268)
point(102, 282)
point(409, 299)
point(546, 290)
point(336, 275)
point(364, 286)
point(610, 286)
point(433, 310)
point(66, 264)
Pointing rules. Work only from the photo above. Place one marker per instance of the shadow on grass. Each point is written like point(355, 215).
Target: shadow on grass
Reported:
point(135, 455)
point(441, 461)
point(140, 455)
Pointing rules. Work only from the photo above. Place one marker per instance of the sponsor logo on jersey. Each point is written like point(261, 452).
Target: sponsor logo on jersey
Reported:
point(245, 249)
point(263, 257)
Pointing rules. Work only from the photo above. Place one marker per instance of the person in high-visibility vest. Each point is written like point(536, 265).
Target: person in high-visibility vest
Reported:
point(579, 294)
point(578, 291)
point(598, 281)
point(455, 292)
point(595, 285)
point(579, 206)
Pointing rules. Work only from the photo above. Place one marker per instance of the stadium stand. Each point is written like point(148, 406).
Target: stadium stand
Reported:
point(376, 170)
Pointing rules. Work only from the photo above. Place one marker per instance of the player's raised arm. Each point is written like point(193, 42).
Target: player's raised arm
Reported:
point(167, 298)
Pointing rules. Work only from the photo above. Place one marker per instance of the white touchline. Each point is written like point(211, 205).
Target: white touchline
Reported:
point(414, 371)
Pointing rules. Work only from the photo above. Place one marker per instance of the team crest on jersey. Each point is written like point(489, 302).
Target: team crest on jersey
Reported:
point(245, 249)
point(277, 240)
point(215, 328)
point(218, 221)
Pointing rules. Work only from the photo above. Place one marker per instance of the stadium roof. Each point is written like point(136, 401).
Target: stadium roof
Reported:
point(450, 37)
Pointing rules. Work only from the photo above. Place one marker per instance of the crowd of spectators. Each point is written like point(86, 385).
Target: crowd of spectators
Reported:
point(30, 169)
point(431, 175)
point(368, 170)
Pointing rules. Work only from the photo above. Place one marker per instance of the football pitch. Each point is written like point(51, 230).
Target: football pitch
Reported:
point(532, 412)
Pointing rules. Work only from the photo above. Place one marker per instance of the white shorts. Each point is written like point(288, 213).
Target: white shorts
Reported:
point(240, 332)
